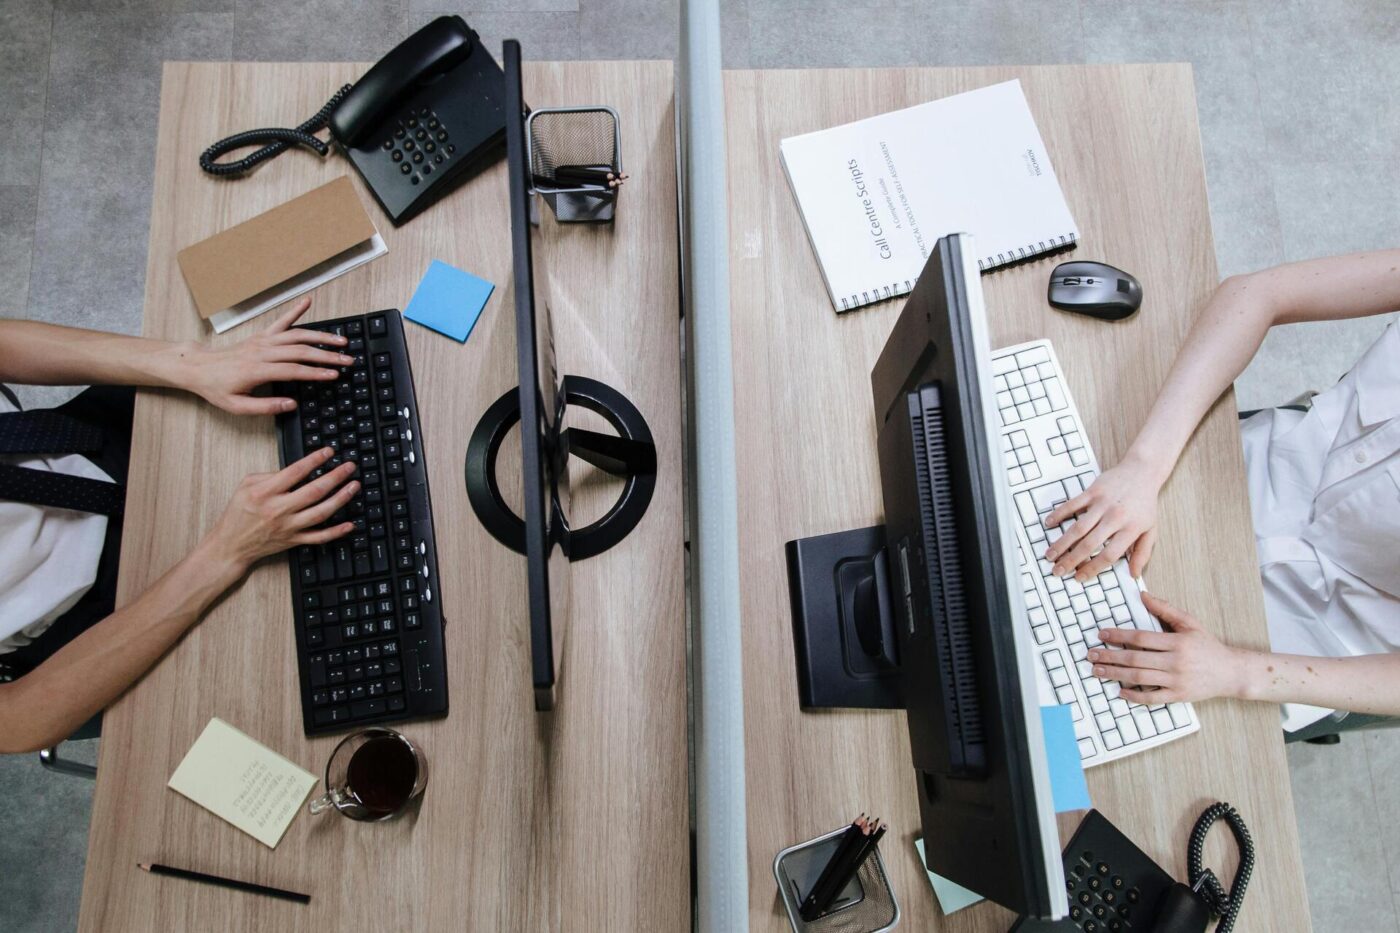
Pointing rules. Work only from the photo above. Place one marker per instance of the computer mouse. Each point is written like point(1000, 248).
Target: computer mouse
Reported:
point(1181, 910)
point(1096, 289)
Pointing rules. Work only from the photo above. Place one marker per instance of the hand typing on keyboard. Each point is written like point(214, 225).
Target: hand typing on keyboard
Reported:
point(1115, 516)
point(1184, 662)
point(271, 512)
point(227, 377)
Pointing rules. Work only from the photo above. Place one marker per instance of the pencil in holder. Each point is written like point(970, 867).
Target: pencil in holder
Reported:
point(866, 905)
point(576, 160)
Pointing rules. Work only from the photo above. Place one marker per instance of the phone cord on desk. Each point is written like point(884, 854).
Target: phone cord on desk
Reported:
point(1224, 904)
point(278, 140)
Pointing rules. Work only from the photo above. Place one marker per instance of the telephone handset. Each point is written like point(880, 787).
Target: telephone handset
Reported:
point(422, 118)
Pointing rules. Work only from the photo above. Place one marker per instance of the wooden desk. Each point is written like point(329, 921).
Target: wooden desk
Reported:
point(1125, 145)
point(530, 822)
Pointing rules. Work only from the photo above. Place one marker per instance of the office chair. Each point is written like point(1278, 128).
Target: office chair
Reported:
point(1328, 730)
point(50, 759)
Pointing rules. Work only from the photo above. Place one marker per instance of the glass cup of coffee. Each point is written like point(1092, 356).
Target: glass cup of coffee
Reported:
point(373, 775)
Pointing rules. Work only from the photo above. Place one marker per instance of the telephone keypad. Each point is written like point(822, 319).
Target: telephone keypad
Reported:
point(417, 136)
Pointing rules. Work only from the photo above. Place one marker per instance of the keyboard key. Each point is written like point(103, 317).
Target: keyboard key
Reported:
point(366, 708)
point(331, 715)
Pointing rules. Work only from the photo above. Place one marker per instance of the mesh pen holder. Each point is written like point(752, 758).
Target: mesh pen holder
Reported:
point(866, 905)
point(575, 136)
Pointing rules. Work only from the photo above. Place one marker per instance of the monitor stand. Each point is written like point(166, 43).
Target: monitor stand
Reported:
point(630, 454)
point(843, 621)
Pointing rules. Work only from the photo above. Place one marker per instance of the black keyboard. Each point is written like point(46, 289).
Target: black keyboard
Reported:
point(367, 606)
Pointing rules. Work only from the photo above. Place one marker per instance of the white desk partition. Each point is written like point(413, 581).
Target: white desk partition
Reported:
point(722, 888)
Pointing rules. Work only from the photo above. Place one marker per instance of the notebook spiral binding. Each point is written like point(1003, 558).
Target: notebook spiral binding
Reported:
point(1027, 253)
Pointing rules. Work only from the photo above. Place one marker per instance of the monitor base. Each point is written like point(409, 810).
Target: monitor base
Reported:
point(630, 454)
point(843, 621)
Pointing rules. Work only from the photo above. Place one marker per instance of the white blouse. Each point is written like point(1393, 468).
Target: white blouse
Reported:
point(1324, 487)
point(48, 557)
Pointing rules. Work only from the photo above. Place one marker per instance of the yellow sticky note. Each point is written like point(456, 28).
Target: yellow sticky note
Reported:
point(242, 781)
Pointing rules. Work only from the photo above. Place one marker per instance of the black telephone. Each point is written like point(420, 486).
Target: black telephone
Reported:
point(428, 112)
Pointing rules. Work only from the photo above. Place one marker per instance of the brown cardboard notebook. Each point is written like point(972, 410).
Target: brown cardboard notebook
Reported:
point(277, 255)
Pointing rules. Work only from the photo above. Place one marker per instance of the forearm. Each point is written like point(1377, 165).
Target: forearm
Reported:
point(1367, 683)
point(1218, 347)
point(33, 353)
point(1232, 325)
point(90, 672)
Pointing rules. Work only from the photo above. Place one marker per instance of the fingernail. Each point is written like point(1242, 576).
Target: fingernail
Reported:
point(288, 404)
point(347, 360)
point(1098, 671)
point(1094, 655)
point(327, 451)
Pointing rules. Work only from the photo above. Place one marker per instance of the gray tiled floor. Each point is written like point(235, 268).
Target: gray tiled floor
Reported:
point(1299, 122)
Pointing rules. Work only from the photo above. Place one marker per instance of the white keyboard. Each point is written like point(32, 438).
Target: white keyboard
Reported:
point(1049, 460)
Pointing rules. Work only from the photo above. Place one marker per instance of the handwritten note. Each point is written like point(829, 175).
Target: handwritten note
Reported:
point(243, 782)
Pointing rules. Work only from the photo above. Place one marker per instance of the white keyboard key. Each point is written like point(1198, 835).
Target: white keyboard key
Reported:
point(1077, 457)
point(1032, 357)
point(1042, 406)
point(1144, 721)
point(1001, 365)
point(1014, 379)
point(1047, 497)
point(1111, 740)
point(1098, 703)
point(1129, 729)
point(1180, 717)
point(1162, 719)
point(1086, 749)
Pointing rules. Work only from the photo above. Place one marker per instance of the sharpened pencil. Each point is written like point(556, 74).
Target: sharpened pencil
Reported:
point(202, 878)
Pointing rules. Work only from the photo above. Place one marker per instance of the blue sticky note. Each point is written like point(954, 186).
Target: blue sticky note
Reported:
point(1062, 750)
point(951, 895)
point(448, 300)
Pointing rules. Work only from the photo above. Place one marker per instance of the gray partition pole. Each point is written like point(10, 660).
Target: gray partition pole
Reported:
point(721, 842)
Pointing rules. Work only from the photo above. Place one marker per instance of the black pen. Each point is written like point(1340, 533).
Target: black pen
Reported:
point(201, 877)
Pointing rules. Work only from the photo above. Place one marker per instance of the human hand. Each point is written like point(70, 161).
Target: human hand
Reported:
point(269, 512)
point(282, 353)
point(1116, 515)
point(1184, 663)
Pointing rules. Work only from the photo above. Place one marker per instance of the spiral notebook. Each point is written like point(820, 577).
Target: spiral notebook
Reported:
point(876, 194)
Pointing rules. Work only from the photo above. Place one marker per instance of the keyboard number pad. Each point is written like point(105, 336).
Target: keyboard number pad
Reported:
point(1027, 385)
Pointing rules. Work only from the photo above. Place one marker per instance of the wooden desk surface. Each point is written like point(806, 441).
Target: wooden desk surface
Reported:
point(1125, 146)
point(530, 822)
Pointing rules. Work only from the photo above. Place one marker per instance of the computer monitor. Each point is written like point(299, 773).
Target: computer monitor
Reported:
point(544, 457)
point(929, 606)
point(544, 534)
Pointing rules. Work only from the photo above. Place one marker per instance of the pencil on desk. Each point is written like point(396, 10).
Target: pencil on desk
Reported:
point(201, 877)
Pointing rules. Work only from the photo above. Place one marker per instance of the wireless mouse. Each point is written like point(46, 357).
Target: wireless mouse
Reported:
point(1096, 289)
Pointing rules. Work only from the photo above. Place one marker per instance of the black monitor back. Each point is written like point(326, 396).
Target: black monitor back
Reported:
point(974, 721)
point(544, 460)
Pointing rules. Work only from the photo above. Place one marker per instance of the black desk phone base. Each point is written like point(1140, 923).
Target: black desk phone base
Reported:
point(423, 119)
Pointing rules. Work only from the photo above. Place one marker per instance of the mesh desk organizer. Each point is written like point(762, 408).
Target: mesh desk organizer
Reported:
point(560, 136)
